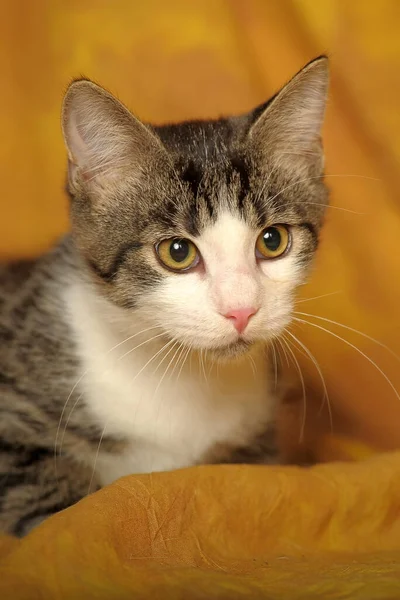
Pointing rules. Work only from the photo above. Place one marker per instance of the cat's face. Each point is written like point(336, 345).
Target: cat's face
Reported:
point(205, 228)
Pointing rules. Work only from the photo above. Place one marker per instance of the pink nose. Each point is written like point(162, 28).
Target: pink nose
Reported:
point(240, 317)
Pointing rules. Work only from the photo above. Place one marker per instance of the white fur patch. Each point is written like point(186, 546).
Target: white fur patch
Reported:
point(172, 418)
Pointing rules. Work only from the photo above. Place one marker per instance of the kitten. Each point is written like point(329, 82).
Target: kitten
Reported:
point(139, 342)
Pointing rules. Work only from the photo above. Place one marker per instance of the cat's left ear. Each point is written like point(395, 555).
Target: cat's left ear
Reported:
point(287, 134)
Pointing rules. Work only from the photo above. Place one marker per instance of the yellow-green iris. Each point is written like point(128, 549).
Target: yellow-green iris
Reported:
point(178, 254)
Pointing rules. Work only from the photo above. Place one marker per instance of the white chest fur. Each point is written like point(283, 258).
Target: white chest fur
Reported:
point(172, 408)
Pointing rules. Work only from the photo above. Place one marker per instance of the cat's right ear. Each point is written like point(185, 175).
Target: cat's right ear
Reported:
point(288, 130)
point(105, 142)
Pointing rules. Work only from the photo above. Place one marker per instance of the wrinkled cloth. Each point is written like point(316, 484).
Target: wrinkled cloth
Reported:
point(329, 531)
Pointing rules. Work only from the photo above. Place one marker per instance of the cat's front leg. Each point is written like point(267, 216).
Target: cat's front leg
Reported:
point(33, 487)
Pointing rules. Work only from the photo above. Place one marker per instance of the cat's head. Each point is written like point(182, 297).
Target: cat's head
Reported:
point(206, 227)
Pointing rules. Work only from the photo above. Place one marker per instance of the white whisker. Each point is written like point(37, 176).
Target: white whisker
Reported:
point(182, 348)
point(318, 297)
point(252, 364)
point(142, 344)
point(188, 349)
point(303, 386)
point(318, 177)
point(280, 350)
point(183, 362)
point(202, 365)
point(173, 342)
point(275, 364)
point(156, 418)
point(212, 364)
point(386, 378)
point(95, 458)
point(169, 364)
point(318, 368)
point(283, 350)
point(364, 335)
point(331, 207)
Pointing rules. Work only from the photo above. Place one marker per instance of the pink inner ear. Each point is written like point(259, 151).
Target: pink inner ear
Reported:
point(90, 133)
point(291, 123)
point(77, 149)
point(86, 156)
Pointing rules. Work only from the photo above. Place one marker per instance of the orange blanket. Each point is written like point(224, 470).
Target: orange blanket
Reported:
point(332, 531)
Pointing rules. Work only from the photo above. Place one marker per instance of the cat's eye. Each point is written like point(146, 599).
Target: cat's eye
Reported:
point(178, 254)
point(273, 242)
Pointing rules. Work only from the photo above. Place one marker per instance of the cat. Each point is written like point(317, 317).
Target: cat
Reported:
point(140, 341)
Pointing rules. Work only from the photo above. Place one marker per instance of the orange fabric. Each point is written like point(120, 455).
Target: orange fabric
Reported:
point(332, 531)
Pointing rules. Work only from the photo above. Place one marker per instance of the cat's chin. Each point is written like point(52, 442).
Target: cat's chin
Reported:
point(231, 351)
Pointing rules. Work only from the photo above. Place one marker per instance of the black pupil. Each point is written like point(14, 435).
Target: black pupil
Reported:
point(272, 239)
point(179, 250)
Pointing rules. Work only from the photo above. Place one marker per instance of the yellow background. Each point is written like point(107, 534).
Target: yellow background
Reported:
point(179, 59)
